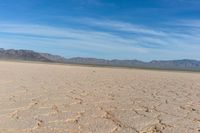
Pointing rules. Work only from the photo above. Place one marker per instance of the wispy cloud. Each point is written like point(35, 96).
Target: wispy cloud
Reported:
point(67, 38)
point(105, 39)
point(195, 23)
point(164, 35)
point(49, 32)
point(121, 26)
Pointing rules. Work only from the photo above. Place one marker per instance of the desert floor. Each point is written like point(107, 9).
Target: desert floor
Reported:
point(47, 98)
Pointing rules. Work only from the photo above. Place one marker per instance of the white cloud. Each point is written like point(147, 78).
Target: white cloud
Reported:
point(67, 37)
point(121, 26)
point(179, 42)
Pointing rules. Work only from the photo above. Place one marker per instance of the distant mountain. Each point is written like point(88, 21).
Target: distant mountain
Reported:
point(29, 55)
point(176, 64)
point(103, 62)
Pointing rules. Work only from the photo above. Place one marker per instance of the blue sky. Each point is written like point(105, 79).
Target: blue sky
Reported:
point(111, 29)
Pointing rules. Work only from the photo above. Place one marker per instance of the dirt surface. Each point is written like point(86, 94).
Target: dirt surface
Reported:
point(45, 98)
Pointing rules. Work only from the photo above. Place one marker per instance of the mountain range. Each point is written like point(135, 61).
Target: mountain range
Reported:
point(29, 55)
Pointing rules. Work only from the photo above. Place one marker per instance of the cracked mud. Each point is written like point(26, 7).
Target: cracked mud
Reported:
point(46, 98)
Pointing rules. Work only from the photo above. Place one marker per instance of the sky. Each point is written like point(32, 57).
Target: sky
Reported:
point(110, 29)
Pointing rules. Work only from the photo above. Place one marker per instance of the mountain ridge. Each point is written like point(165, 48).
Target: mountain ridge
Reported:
point(30, 55)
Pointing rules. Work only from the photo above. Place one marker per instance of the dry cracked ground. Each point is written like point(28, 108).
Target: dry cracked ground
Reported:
point(46, 98)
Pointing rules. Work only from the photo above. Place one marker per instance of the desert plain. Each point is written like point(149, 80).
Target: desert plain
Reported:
point(52, 98)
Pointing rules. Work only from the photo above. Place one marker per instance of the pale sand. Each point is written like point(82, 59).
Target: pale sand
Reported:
point(46, 98)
